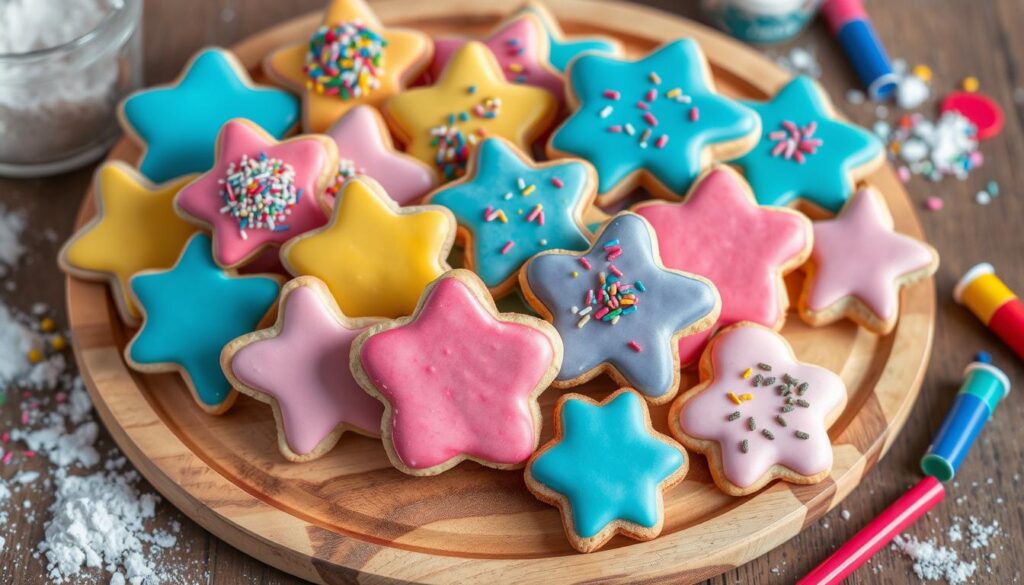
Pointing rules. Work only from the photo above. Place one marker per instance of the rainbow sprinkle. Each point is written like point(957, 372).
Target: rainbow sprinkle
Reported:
point(452, 144)
point(345, 60)
point(611, 300)
point(259, 193)
point(795, 143)
point(346, 170)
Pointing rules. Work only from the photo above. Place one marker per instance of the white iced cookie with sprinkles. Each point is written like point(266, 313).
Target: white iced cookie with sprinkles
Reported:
point(758, 413)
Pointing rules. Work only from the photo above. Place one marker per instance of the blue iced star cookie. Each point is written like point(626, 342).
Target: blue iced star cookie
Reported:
point(191, 311)
point(656, 122)
point(562, 49)
point(606, 469)
point(509, 208)
point(618, 309)
point(805, 152)
point(177, 124)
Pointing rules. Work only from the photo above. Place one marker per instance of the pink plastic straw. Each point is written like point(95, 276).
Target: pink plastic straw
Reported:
point(900, 514)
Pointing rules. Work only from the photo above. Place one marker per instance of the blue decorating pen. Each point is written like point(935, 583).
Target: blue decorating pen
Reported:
point(984, 387)
point(849, 23)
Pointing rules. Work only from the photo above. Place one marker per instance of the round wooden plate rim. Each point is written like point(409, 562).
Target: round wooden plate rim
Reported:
point(280, 535)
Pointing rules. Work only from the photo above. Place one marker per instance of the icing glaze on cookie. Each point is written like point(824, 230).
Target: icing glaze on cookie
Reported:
point(521, 47)
point(365, 148)
point(859, 254)
point(658, 114)
point(135, 229)
point(396, 57)
point(304, 368)
point(719, 232)
point(616, 305)
point(562, 50)
point(207, 200)
point(441, 124)
point(459, 380)
point(608, 463)
point(191, 312)
point(771, 428)
point(513, 209)
point(375, 257)
point(805, 152)
point(178, 124)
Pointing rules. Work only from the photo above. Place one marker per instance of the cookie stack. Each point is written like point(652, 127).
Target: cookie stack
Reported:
point(334, 246)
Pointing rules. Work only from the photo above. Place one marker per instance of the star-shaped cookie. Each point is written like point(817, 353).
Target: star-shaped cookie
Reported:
point(441, 124)
point(720, 233)
point(806, 152)
point(618, 309)
point(860, 264)
point(177, 124)
point(510, 208)
point(365, 148)
point(656, 122)
point(190, 312)
point(402, 54)
point(458, 380)
point(231, 198)
point(300, 367)
point(759, 413)
point(135, 228)
point(563, 49)
point(376, 257)
point(521, 47)
point(606, 469)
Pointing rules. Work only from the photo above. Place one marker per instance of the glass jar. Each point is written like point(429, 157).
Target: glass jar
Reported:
point(58, 105)
point(761, 21)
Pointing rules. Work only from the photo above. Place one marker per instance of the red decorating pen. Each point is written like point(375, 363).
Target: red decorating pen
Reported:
point(902, 513)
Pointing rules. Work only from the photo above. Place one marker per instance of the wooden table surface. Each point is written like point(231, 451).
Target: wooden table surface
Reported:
point(956, 38)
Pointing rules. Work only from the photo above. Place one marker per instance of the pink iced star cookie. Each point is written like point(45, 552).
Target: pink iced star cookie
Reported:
point(719, 232)
point(521, 47)
point(260, 192)
point(859, 264)
point(300, 368)
point(365, 148)
point(458, 379)
point(758, 413)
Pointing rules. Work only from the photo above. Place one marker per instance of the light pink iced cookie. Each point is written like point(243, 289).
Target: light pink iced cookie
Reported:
point(721, 233)
point(521, 47)
point(300, 367)
point(758, 414)
point(365, 148)
point(458, 379)
point(860, 264)
point(260, 192)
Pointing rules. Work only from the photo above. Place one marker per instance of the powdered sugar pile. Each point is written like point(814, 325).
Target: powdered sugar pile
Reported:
point(933, 562)
point(99, 522)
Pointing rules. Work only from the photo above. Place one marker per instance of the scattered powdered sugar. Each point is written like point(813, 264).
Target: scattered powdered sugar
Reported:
point(12, 225)
point(99, 521)
point(980, 533)
point(16, 340)
point(933, 562)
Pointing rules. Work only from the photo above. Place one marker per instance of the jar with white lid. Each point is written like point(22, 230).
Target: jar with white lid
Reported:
point(64, 67)
point(761, 21)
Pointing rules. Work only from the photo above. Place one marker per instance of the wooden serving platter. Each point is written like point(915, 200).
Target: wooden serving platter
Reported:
point(350, 516)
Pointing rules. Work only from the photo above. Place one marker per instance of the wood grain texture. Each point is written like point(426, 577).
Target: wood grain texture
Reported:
point(350, 510)
point(956, 37)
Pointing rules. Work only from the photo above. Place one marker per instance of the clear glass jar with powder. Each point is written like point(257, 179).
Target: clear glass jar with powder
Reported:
point(64, 66)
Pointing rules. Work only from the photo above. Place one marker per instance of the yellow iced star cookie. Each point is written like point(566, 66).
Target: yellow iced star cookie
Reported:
point(351, 59)
point(442, 123)
point(374, 256)
point(135, 229)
